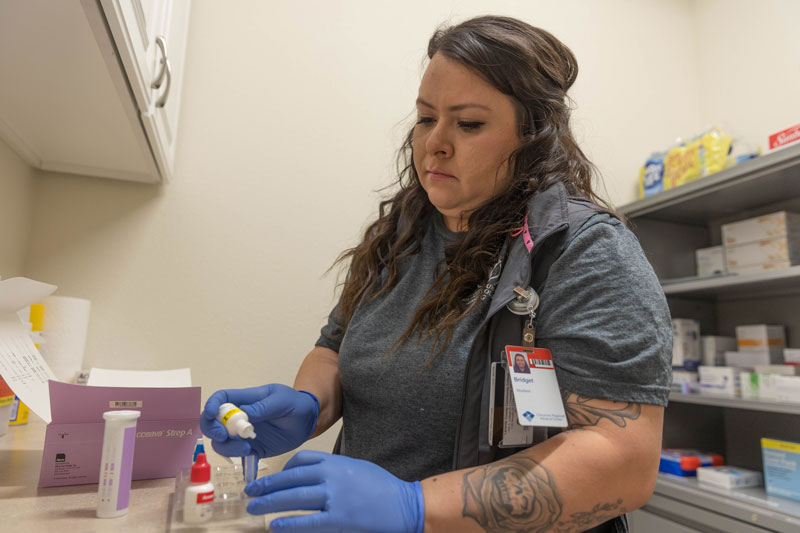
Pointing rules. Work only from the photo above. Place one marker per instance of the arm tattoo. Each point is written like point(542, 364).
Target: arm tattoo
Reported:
point(516, 494)
point(583, 411)
point(584, 520)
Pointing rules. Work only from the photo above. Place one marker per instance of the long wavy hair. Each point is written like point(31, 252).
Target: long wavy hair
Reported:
point(535, 70)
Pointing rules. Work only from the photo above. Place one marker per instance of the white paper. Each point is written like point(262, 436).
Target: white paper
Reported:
point(102, 377)
point(21, 364)
point(66, 323)
point(16, 293)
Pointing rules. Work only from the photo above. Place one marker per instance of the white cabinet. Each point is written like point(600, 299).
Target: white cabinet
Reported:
point(77, 91)
point(151, 39)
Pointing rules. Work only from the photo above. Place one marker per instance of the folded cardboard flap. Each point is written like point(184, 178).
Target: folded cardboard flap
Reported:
point(165, 434)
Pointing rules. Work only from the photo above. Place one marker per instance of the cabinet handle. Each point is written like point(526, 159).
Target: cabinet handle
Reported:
point(163, 99)
point(160, 78)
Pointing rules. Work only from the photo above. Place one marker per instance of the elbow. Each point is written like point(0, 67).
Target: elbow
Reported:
point(642, 480)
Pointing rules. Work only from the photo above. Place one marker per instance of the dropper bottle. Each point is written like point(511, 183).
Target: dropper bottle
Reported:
point(235, 421)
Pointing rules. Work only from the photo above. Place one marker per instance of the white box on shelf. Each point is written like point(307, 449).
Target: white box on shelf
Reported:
point(710, 261)
point(686, 351)
point(719, 380)
point(778, 224)
point(787, 388)
point(756, 337)
point(743, 270)
point(783, 370)
point(752, 358)
point(771, 251)
point(758, 386)
point(728, 477)
point(684, 380)
point(714, 348)
point(791, 355)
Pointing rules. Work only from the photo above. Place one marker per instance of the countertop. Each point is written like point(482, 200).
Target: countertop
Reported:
point(26, 508)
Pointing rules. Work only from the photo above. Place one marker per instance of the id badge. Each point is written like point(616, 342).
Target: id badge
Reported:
point(534, 387)
point(504, 428)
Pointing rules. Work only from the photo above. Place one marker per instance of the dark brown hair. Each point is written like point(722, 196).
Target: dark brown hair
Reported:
point(535, 70)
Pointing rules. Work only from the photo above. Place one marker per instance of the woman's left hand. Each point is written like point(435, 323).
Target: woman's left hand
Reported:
point(350, 495)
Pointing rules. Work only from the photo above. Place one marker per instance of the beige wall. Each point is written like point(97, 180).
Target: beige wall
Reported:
point(16, 201)
point(291, 115)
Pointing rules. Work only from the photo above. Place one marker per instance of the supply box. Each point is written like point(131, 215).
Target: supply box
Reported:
point(686, 343)
point(751, 359)
point(682, 462)
point(781, 468)
point(728, 477)
point(722, 380)
point(710, 261)
point(714, 348)
point(791, 356)
point(766, 227)
point(760, 337)
point(757, 386)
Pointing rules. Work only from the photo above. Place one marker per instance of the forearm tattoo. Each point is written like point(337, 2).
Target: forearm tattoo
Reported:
point(583, 411)
point(519, 494)
point(516, 494)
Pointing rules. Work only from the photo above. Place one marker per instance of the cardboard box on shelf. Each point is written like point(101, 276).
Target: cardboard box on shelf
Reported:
point(751, 359)
point(783, 370)
point(710, 261)
point(770, 226)
point(743, 270)
point(686, 353)
point(766, 252)
point(787, 388)
point(719, 380)
point(758, 386)
point(757, 337)
point(714, 348)
point(728, 477)
point(781, 468)
point(791, 355)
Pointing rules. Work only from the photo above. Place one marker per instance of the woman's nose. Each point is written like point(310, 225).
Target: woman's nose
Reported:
point(438, 141)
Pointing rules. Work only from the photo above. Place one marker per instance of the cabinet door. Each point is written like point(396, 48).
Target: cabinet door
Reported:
point(161, 120)
point(135, 24)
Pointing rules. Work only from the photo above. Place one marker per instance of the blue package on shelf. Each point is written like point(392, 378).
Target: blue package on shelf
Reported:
point(681, 462)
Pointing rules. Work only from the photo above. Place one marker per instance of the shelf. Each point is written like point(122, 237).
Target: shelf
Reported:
point(751, 505)
point(735, 285)
point(735, 403)
point(769, 179)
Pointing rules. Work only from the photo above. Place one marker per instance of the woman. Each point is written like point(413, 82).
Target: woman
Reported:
point(521, 365)
point(494, 200)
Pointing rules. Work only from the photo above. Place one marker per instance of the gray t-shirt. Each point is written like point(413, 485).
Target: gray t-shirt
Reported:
point(603, 315)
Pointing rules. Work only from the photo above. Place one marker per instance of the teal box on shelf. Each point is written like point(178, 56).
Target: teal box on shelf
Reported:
point(781, 468)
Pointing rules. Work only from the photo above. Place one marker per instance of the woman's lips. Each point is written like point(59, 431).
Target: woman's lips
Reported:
point(437, 174)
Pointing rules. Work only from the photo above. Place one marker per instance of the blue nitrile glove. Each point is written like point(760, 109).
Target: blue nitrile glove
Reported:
point(351, 495)
point(283, 419)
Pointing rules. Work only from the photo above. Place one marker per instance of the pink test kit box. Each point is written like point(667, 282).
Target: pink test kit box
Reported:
point(166, 432)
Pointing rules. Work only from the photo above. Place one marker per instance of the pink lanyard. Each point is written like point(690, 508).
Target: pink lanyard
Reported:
point(526, 234)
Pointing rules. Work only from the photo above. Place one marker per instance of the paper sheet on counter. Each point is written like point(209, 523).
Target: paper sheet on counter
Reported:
point(21, 364)
point(103, 377)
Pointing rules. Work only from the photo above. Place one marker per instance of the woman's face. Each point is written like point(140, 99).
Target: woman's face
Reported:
point(465, 131)
point(519, 361)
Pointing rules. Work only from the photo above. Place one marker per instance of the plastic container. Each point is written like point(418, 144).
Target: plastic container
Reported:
point(235, 421)
point(198, 499)
point(686, 462)
point(116, 464)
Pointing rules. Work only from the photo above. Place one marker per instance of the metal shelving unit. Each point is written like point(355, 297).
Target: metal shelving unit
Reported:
point(736, 403)
point(764, 180)
point(670, 226)
point(751, 506)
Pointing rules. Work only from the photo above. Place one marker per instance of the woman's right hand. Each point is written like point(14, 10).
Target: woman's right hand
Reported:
point(283, 419)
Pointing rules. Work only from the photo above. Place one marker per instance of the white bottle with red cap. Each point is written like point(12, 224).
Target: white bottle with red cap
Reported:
point(198, 500)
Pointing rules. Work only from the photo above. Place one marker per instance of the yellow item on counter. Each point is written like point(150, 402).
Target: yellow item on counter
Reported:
point(19, 413)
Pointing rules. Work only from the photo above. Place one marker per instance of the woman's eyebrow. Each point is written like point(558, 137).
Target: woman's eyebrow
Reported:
point(458, 107)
